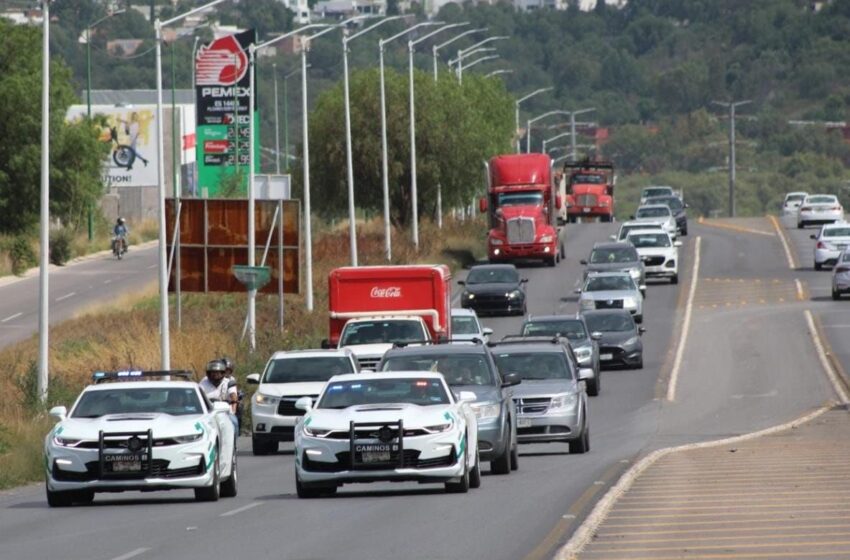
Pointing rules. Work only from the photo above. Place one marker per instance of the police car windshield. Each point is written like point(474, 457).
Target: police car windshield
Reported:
point(458, 369)
point(306, 369)
point(423, 392)
point(534, 365)
point(177, 401)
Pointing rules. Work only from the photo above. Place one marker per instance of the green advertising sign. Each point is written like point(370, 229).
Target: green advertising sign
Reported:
point(217, 155)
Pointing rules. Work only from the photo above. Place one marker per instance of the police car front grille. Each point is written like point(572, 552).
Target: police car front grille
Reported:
point(286, 407)
point(159, 469)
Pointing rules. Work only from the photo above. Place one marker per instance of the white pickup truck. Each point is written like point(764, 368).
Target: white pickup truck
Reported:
point(370, 337)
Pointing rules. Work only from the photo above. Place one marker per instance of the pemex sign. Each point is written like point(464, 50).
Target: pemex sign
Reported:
point(222, 97)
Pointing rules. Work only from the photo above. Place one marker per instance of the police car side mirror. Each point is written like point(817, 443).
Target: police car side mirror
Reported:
point(59, 412)
point(304, 403)
point(325, 344)
point(253, 379)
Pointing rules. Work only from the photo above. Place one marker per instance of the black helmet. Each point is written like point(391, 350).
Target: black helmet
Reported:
point(228, 363)
point(216, 365)
point(121, 220)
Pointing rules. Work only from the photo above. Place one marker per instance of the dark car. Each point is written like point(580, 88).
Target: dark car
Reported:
point(676, 206)
point(494, 289)
point(620, 343)
point(574, 329)
point(616, 256)
point(470, 367)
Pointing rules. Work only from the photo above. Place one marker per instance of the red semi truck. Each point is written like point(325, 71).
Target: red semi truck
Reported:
point(373, 307)
point(591, 190)
point(522, 209)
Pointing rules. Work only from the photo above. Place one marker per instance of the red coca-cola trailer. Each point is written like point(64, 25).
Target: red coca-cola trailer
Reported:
point(382, 291)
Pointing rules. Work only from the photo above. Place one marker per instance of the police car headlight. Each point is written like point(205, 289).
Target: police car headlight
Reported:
point(315, 432)
point(438, 428)
point(65, 442)
point(189, 439)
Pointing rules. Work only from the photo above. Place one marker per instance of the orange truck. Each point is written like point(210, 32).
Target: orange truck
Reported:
point(591, 190)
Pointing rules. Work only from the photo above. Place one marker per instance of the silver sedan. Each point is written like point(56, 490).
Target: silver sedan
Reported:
point(611, 290)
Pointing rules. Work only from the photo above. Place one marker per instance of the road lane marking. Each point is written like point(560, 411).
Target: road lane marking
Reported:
point(824, 360)
point(801, 295)
point(10, 317)
point(586, 531)
point(66, 296)
point(131, 554)
point(107, 281)
point(152, 266)
point(792, 262)
point(240, 510)
point(686, 325)
point(733, 227)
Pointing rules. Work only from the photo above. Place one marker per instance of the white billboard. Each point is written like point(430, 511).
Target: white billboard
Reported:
point(131, 134)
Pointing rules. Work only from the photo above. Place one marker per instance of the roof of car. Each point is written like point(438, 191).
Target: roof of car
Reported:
point(551, 318)
point(606, 312)
point(796, 193)
point(643, 224)
point(550, 345)
point(141, 384)
point(493, 266)
point(606, 273)
point(613, 245)
point(451, 348)
point(386, 375)
point(460, 311)
point(312, 353)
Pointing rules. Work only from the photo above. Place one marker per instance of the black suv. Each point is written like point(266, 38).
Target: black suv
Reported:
point(471, 367)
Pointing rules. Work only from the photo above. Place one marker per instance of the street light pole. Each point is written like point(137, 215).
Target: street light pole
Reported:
point(516, 106)
point(165, 348)
point(573, 114)
point(44, 222)
point(477, 61)
point(352, 227)
point(529, 122)
point(276, 122)
point(731, 106)
point(553, 138)
point(436, 48)
point(463, 53)
point(497, 72)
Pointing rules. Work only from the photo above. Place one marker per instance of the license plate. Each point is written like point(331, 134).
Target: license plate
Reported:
point(585, 209)
point(606, 356)
point(127, 466)
point(523, 422)
point(375, 453)
point(125, 462)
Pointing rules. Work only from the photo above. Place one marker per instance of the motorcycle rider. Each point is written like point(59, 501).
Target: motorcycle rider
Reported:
point(217, 389)
point(230, 379)
point(120, 232)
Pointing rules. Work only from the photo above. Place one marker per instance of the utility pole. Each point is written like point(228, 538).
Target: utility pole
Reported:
point(44, 233)
point(731, 105)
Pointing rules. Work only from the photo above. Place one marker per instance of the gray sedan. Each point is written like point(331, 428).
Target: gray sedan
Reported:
point(611, 290)
point(616, 257)
point(581, 340)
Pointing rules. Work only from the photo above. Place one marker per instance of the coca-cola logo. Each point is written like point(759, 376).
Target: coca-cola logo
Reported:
point(390, 292)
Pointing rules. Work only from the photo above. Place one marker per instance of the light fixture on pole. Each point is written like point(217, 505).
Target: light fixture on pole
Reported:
point(573, 114)
point(731, 106)
point(165, 343)
point(553, 138)
point(516, 106)
point(474, 62)
point(388, 251)
point(352, 228)
point(463, 53)
point(44, 222)
point(498, 72)
point(436, 48)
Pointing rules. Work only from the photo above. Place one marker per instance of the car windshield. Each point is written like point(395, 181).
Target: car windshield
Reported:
point(671, 202)
point(653, 212)
point(177, 401)
point(588, 178)
point(377, 332)
point(613, 255)
point(821, 200)
point(488, 275)
point(795, 197)
point(529, 198)
point(644, 240)
point(610, 322)
point(573, 329)
point(609, 283)
point(304, 369)
point(656, 191)
point(424, 392)
point(836, 232)
point(458, 369)
point(465, 325)
point(534, 365)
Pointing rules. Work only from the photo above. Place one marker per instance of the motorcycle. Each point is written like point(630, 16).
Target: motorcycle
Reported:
point(119, 246)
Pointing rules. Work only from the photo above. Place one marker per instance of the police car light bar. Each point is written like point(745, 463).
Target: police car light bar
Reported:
point(139, 375)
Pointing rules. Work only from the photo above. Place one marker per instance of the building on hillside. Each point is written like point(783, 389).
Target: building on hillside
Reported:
point(123, 47)
point(341, 9)
point(22, 16)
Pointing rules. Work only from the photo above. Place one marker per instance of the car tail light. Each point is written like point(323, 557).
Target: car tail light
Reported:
point(836, 208)
point(821, 245)
point(842, 269)
point(805, 209)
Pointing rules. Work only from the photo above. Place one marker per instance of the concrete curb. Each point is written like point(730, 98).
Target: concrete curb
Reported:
point(7, 280)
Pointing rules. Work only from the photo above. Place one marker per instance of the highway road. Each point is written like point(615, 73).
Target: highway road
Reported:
point(748, 364)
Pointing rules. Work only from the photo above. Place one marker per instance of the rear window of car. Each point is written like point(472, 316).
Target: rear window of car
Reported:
point(464, 325)
point(794, 197)
point(821, 200)
point(306, 369)
point(534, 365)
point(656, 191)
point(836, 232)
point(613, 255)
point(573, 329)
point(654, 212)
point(457, 368)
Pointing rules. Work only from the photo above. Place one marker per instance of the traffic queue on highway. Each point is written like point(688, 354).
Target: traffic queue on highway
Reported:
point(405, 387)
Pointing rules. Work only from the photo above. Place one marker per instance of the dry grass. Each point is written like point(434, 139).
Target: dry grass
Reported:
point(124, 334)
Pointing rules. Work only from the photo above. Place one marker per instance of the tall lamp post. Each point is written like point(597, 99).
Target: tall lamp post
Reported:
point(384, 155)
point(286, 115)
point(352, 227)
point(498, 72)
point(573, 114)
point(731, 106)
point(478, 61)
point(533, 120)
point(463, 53)
point(165, 344)
point(44, 222)
point(553, 138)
point(436, 48)
point(516, 107)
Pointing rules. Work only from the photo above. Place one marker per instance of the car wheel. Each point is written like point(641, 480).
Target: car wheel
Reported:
point(563, 252)
point(502, 463)
point(818, 266)
point(83, 496)
point(230, 487)
point(639, 318)
point(674, 279)
point(550, 261)
point(56, 498)
point(461, 486)
point(305, 490)
point(260, 447)
point(593, 386)
point(212, 492)
point(515, 457)
point(582, 444)
point(836, 295)
point(639, 364)
point(475, 474)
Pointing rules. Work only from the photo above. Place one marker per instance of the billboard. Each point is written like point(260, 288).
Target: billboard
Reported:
point(222, 90)
point(131, 133)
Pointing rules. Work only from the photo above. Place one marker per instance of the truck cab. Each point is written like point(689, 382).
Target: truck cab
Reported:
point(591, 185)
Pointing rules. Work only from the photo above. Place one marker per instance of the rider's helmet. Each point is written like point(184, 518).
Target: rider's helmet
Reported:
point(228, 364)
point(215, 371)
point(120, 220)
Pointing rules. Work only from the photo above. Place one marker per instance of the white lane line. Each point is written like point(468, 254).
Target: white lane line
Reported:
point(152, 266)
point(10, 317)
point(686, 325)
point(824, 361)
point(801, 295)
point(66, 296)
point(836, 326)
point(788, 255)
point(107, 281)
point(240, 510)
point(586, 531)
point(131, 554)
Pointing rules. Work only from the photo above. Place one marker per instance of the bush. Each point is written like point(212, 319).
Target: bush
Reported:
point(22, 255)
point(60, 246)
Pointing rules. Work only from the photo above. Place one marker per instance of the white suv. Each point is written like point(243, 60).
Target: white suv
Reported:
point(658, 251)
point(288, 377)
point(831, 240)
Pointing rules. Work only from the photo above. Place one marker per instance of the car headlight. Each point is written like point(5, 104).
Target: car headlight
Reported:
point(563, 401)
point(547, 239)
point(514, 294)
point(65, 442)
point(496, 241)
point(190, 438)
point(629, 302)
point(468, 295)
point(631, 342)
point(315, 432)
point(583, 353)
point(261, 398)
point(487, 410)
point(438, 428)
point(587, 304)
point(634, 272)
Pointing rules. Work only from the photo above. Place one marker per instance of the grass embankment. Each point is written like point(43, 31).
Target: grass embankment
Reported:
point(126, 335)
